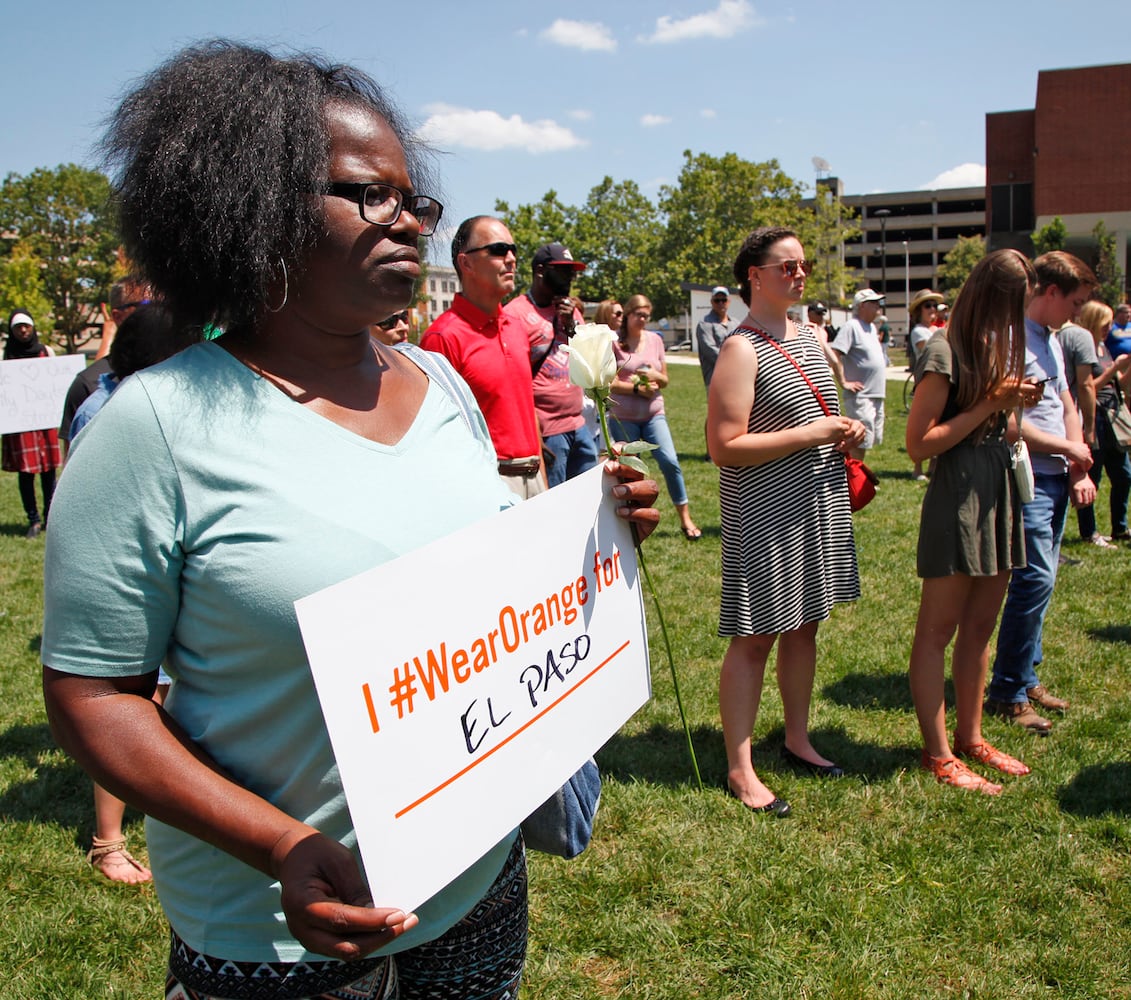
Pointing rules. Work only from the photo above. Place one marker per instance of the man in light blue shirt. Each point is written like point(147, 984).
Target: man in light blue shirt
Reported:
point(1060, 463)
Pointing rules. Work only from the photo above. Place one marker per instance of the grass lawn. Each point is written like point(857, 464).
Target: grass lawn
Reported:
point(881, 885)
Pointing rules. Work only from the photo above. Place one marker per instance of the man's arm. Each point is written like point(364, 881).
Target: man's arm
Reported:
point(1086, 397)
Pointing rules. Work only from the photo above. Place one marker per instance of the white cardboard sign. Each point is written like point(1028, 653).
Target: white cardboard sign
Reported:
point(33, 390)
point(464, 683)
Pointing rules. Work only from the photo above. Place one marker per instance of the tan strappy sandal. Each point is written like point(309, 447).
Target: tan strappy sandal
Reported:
point(101, 859)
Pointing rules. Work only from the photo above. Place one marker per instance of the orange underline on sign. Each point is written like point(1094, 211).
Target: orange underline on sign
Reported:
point(518, 732)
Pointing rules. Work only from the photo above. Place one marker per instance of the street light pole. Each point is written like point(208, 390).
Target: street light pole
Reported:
point(882, 214)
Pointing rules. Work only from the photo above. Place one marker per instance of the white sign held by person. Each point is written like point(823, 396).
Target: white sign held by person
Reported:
point(32, 391)
point(464, 683)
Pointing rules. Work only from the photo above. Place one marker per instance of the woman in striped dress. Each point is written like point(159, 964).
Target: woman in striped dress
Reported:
point(788, 549)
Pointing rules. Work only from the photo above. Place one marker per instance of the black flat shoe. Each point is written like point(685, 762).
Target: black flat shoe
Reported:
point(777, 807)
point(820, 770)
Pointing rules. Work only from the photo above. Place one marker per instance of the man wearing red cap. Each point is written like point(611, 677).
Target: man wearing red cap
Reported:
point(548, 316)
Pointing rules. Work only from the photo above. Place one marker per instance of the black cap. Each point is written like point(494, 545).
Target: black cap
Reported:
point(818, 307)
point(555, 253)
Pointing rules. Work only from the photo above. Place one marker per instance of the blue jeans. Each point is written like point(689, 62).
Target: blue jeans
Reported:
point(1030, 591)
point(657, 432)
point(574, 452)
point(1107, 455)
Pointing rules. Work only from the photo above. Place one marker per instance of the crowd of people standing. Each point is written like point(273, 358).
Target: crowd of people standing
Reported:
point(251, 841)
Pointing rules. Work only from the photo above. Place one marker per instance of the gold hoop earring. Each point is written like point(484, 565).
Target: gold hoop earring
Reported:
point(286, 287)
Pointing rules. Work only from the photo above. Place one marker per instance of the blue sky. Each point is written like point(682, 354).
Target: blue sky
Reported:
point(525, 97)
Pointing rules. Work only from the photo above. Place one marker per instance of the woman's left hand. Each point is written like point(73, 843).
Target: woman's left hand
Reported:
point(638, 496)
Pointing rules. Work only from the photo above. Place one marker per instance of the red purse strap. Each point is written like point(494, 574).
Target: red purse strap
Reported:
point(789, 357)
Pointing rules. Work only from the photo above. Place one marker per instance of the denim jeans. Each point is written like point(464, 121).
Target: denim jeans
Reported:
point(1030, 591)
point(657, 432)
point(574, 452)
point(1107, 456)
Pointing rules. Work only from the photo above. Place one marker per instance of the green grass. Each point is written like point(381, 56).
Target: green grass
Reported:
point(881, 885)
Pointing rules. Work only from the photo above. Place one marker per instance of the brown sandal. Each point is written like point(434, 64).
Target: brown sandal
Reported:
point(100, 858)
point(951, 771)
point(991, 756)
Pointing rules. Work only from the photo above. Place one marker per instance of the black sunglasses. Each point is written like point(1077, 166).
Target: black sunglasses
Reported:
point(381, 204)
point(499, 249)
point(388, 324)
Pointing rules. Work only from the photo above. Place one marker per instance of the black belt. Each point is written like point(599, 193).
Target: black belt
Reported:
point(520, 466)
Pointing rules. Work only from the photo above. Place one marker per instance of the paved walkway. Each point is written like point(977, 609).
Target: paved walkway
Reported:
point(896, 373)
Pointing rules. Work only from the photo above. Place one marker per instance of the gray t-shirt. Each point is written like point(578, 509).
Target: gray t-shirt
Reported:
point(1079, 349)
point(863, 357)
point(709, 337)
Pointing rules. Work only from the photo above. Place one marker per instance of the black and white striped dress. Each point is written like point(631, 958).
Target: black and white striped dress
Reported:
point(788, 549)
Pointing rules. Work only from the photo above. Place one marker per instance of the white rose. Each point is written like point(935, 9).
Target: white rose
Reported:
point(592, 364)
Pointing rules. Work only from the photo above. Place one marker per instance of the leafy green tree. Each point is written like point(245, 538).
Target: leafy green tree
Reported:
point(715, 203)
point(823, 226)
point(21, 285)
point(1052, 236)
point(546, 221)
point(959, 262)
point(616, 233)
point(1110, 275)
point(63, 217)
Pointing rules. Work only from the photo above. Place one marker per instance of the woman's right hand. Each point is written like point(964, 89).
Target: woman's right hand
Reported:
point(328, 908)
point(1014, 393)
point(841, 431)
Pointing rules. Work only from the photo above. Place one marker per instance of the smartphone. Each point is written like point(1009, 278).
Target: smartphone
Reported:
point(1043, 381)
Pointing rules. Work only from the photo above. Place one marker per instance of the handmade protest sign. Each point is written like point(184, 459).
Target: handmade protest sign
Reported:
point(462, 684)
point(32, 391)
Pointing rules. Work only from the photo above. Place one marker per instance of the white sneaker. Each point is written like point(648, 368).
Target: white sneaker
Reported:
point(1101, 542)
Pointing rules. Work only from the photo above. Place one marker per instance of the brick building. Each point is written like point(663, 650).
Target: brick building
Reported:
point(1063, 158)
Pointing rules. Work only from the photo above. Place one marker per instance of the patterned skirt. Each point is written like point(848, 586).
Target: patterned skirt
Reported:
point(481, 956)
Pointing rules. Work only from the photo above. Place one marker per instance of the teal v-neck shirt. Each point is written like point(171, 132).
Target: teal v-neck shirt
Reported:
point(194, 510)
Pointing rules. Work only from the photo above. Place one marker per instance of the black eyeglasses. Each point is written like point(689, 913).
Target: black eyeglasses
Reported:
point(495, 249)
point(790, 267)
point(381, 204)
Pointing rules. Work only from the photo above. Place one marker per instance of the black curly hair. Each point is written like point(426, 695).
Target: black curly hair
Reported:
point(148, 335)
point(753, 251)
point(214, 154)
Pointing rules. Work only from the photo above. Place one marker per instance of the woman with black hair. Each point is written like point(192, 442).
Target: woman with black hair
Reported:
point(283, 201)
point(30, 452)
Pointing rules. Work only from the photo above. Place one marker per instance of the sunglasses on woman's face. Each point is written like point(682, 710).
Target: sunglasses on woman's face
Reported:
point(790, 267)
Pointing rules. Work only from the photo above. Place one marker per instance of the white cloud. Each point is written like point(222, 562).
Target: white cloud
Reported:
point(965, 175)
point(488, 130)
point(726, 20)
point(651, 121)
point(589, 36)
point(580, 114)
point(708, 113)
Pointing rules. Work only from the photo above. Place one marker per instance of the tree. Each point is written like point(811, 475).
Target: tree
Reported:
point(823, 227)
point(63, 218)
point(1107, 270)
point(616, 233)
point(1050, 237)
point(716, 202)
point(547, 221)
point(21, 285)
point(959, 262)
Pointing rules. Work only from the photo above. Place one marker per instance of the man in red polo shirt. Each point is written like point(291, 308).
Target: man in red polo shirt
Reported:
point(490, 351)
